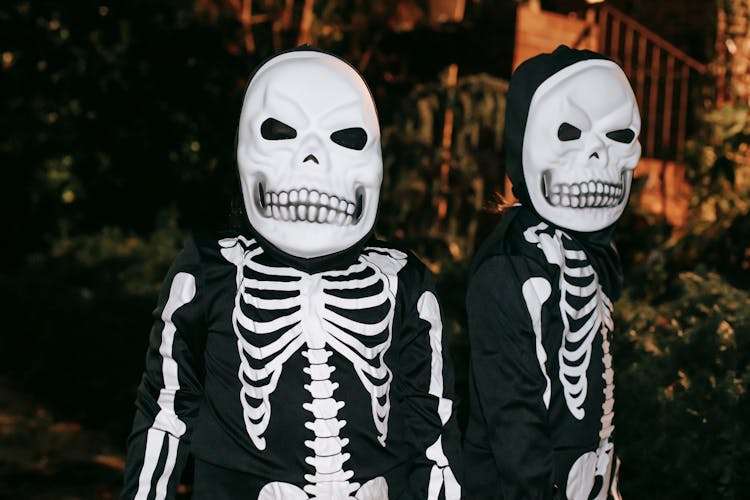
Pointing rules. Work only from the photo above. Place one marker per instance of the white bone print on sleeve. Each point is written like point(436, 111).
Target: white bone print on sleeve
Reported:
point(167, 427)
point(441, 475)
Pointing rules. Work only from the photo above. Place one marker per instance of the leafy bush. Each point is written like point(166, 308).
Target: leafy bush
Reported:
point(436, 186)
point(682, 372)
point(682, 339)
point(80, 318)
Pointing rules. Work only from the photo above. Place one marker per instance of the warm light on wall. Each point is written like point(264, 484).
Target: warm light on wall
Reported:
point(594, 1)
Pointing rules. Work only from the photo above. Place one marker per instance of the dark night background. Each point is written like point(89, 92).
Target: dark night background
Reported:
point(117, 127)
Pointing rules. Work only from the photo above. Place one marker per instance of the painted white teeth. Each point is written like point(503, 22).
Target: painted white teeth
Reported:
point(308, 205)
point(586, 194)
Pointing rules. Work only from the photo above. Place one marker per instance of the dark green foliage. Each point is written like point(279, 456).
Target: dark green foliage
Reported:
point(682, 340)
point(718, 163)
point(113, 112)
point(80, 319)
point(422, 172)
point(682, 372)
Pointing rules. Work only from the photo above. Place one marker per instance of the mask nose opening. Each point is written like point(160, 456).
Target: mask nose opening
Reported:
point(311, 157)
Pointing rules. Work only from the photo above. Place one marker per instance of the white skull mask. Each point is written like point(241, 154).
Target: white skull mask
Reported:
point(309, 154)
point(581, 145)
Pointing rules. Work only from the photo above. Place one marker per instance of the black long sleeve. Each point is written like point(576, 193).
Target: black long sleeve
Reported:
point(430, 400)
point(508, 447)
point(171, 389)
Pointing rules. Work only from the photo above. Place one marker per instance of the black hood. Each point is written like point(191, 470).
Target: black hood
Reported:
point(336, 260)
point(525, 81)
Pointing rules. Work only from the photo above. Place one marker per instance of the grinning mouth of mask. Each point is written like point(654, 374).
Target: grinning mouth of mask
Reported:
point(585, 194)
point(310, 205)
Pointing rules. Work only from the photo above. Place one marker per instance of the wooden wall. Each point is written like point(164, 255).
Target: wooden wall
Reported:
point(665, 191)
point(539, 31)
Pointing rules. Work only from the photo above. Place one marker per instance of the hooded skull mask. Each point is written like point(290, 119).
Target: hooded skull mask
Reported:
point(309, 154)
point(580, 143)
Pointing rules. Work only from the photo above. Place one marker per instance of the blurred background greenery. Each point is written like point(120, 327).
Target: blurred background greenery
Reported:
point(118, 122)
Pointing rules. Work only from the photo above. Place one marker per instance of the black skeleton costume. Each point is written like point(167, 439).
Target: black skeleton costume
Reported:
point(302, 359)
point(542, 286)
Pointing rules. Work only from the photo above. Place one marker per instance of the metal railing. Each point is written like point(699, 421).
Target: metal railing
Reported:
point(661, 75)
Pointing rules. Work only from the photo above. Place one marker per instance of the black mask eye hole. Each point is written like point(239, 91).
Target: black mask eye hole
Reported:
point(568, 132)
point(351, 138)
point(625, 135)
point(274, 130)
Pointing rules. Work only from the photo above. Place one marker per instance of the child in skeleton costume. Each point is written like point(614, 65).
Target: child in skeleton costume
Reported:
point(542, 286)
point(301, 359)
